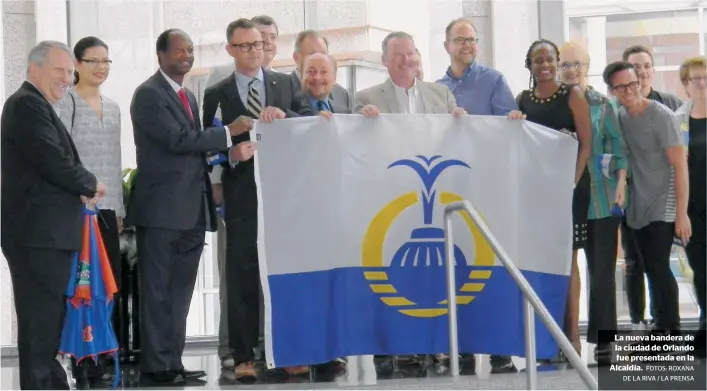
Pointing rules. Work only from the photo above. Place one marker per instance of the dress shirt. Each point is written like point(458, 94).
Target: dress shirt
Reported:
point(481, 90)
point(410, 102)
point(215, 172)
point(242, 84)
point(242, 81)
point(176, 87)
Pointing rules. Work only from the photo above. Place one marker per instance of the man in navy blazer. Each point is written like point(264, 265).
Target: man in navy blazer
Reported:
point(171, 204)
point(268, 96)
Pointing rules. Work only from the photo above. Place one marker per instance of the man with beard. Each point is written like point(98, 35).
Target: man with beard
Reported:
point(318, 80)
point(171, 205)
point(307, 43)
point(480, 90)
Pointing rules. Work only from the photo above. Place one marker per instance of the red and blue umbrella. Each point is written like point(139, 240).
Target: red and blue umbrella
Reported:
point(88, 332)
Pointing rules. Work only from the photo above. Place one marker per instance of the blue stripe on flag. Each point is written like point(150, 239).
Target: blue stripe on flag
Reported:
point(318, 316)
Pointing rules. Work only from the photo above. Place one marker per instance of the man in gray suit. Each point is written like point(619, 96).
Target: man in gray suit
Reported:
point(403, 92)
point(307, 43)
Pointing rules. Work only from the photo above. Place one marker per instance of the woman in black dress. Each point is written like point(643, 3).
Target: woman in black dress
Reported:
point(693, 122)
point(562, 107)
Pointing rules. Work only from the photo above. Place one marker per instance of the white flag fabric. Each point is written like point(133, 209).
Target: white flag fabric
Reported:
point(351, 240)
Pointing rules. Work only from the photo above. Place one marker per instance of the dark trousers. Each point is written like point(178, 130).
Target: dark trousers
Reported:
point(39, 279)
point(168, 262)
point(108, 226)
point(654, 243)
point(696, 256)
point(601, 248)
point(243, 288)
point(635, 277)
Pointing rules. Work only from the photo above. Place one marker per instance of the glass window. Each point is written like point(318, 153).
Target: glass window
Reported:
point(597, 82)
point(368, 77)
point(673, 35)
point(669, 81)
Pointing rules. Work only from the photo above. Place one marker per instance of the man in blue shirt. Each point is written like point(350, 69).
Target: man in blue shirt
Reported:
point(478, 89)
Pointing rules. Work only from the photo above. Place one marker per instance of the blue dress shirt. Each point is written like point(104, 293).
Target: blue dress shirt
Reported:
point(481, 90)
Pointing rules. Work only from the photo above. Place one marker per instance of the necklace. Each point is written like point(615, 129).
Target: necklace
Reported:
point(560, 91)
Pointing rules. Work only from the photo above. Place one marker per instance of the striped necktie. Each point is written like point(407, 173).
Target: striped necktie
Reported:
point(253, 105)
point(322, 105)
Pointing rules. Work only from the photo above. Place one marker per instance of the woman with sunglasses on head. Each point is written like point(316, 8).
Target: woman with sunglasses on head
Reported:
point(93, 121)
point(607, 167)
point(562, 107)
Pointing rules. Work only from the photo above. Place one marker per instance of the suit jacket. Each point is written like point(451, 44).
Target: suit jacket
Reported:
point(339, 96)
point(42, 176)
point(436, 98)
point(239, 190)
point(336, 106)
point(172, 175)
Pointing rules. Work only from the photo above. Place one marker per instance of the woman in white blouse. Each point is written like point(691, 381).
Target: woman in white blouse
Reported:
point(94, 124)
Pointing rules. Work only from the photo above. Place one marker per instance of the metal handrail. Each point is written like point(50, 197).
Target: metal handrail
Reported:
point(532, 304)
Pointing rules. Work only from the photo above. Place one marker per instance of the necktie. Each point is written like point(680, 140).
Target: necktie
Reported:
point(185, 103)
point(322, 106)
point(253, 105)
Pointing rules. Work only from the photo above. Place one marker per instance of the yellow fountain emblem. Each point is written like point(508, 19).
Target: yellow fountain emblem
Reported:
point(414, 281)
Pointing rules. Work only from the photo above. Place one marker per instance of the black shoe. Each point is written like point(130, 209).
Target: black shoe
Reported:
point(186, 374)
point(161, 379)
point(467, 364)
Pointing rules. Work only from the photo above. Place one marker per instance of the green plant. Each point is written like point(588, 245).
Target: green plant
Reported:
point(128, 175)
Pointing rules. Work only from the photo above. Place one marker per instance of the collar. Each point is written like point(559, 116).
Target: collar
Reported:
point(466, 73)
point(241, 78)
point(298, 74)
point(411, 90)
point(38, 90)
point(176, 87)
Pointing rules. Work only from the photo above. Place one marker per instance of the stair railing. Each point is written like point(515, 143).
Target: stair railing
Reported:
point(532, 304)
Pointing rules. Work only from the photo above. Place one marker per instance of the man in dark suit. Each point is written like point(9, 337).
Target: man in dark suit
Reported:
point(318, 83)
point(268, 96)
point(307, 43)
point(43, 191)
point(171, 204)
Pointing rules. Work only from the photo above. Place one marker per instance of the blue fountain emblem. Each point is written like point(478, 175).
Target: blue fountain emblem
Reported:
point(420, 260)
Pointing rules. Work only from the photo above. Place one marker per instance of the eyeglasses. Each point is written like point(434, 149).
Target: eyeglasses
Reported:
point(248, 46)
point(94, 62)
point(697, 79)
point(621, 88)
point(572, 65)
point(462, 40)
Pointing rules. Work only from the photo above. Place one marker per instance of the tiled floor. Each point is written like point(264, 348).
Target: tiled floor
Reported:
point(361, 374)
